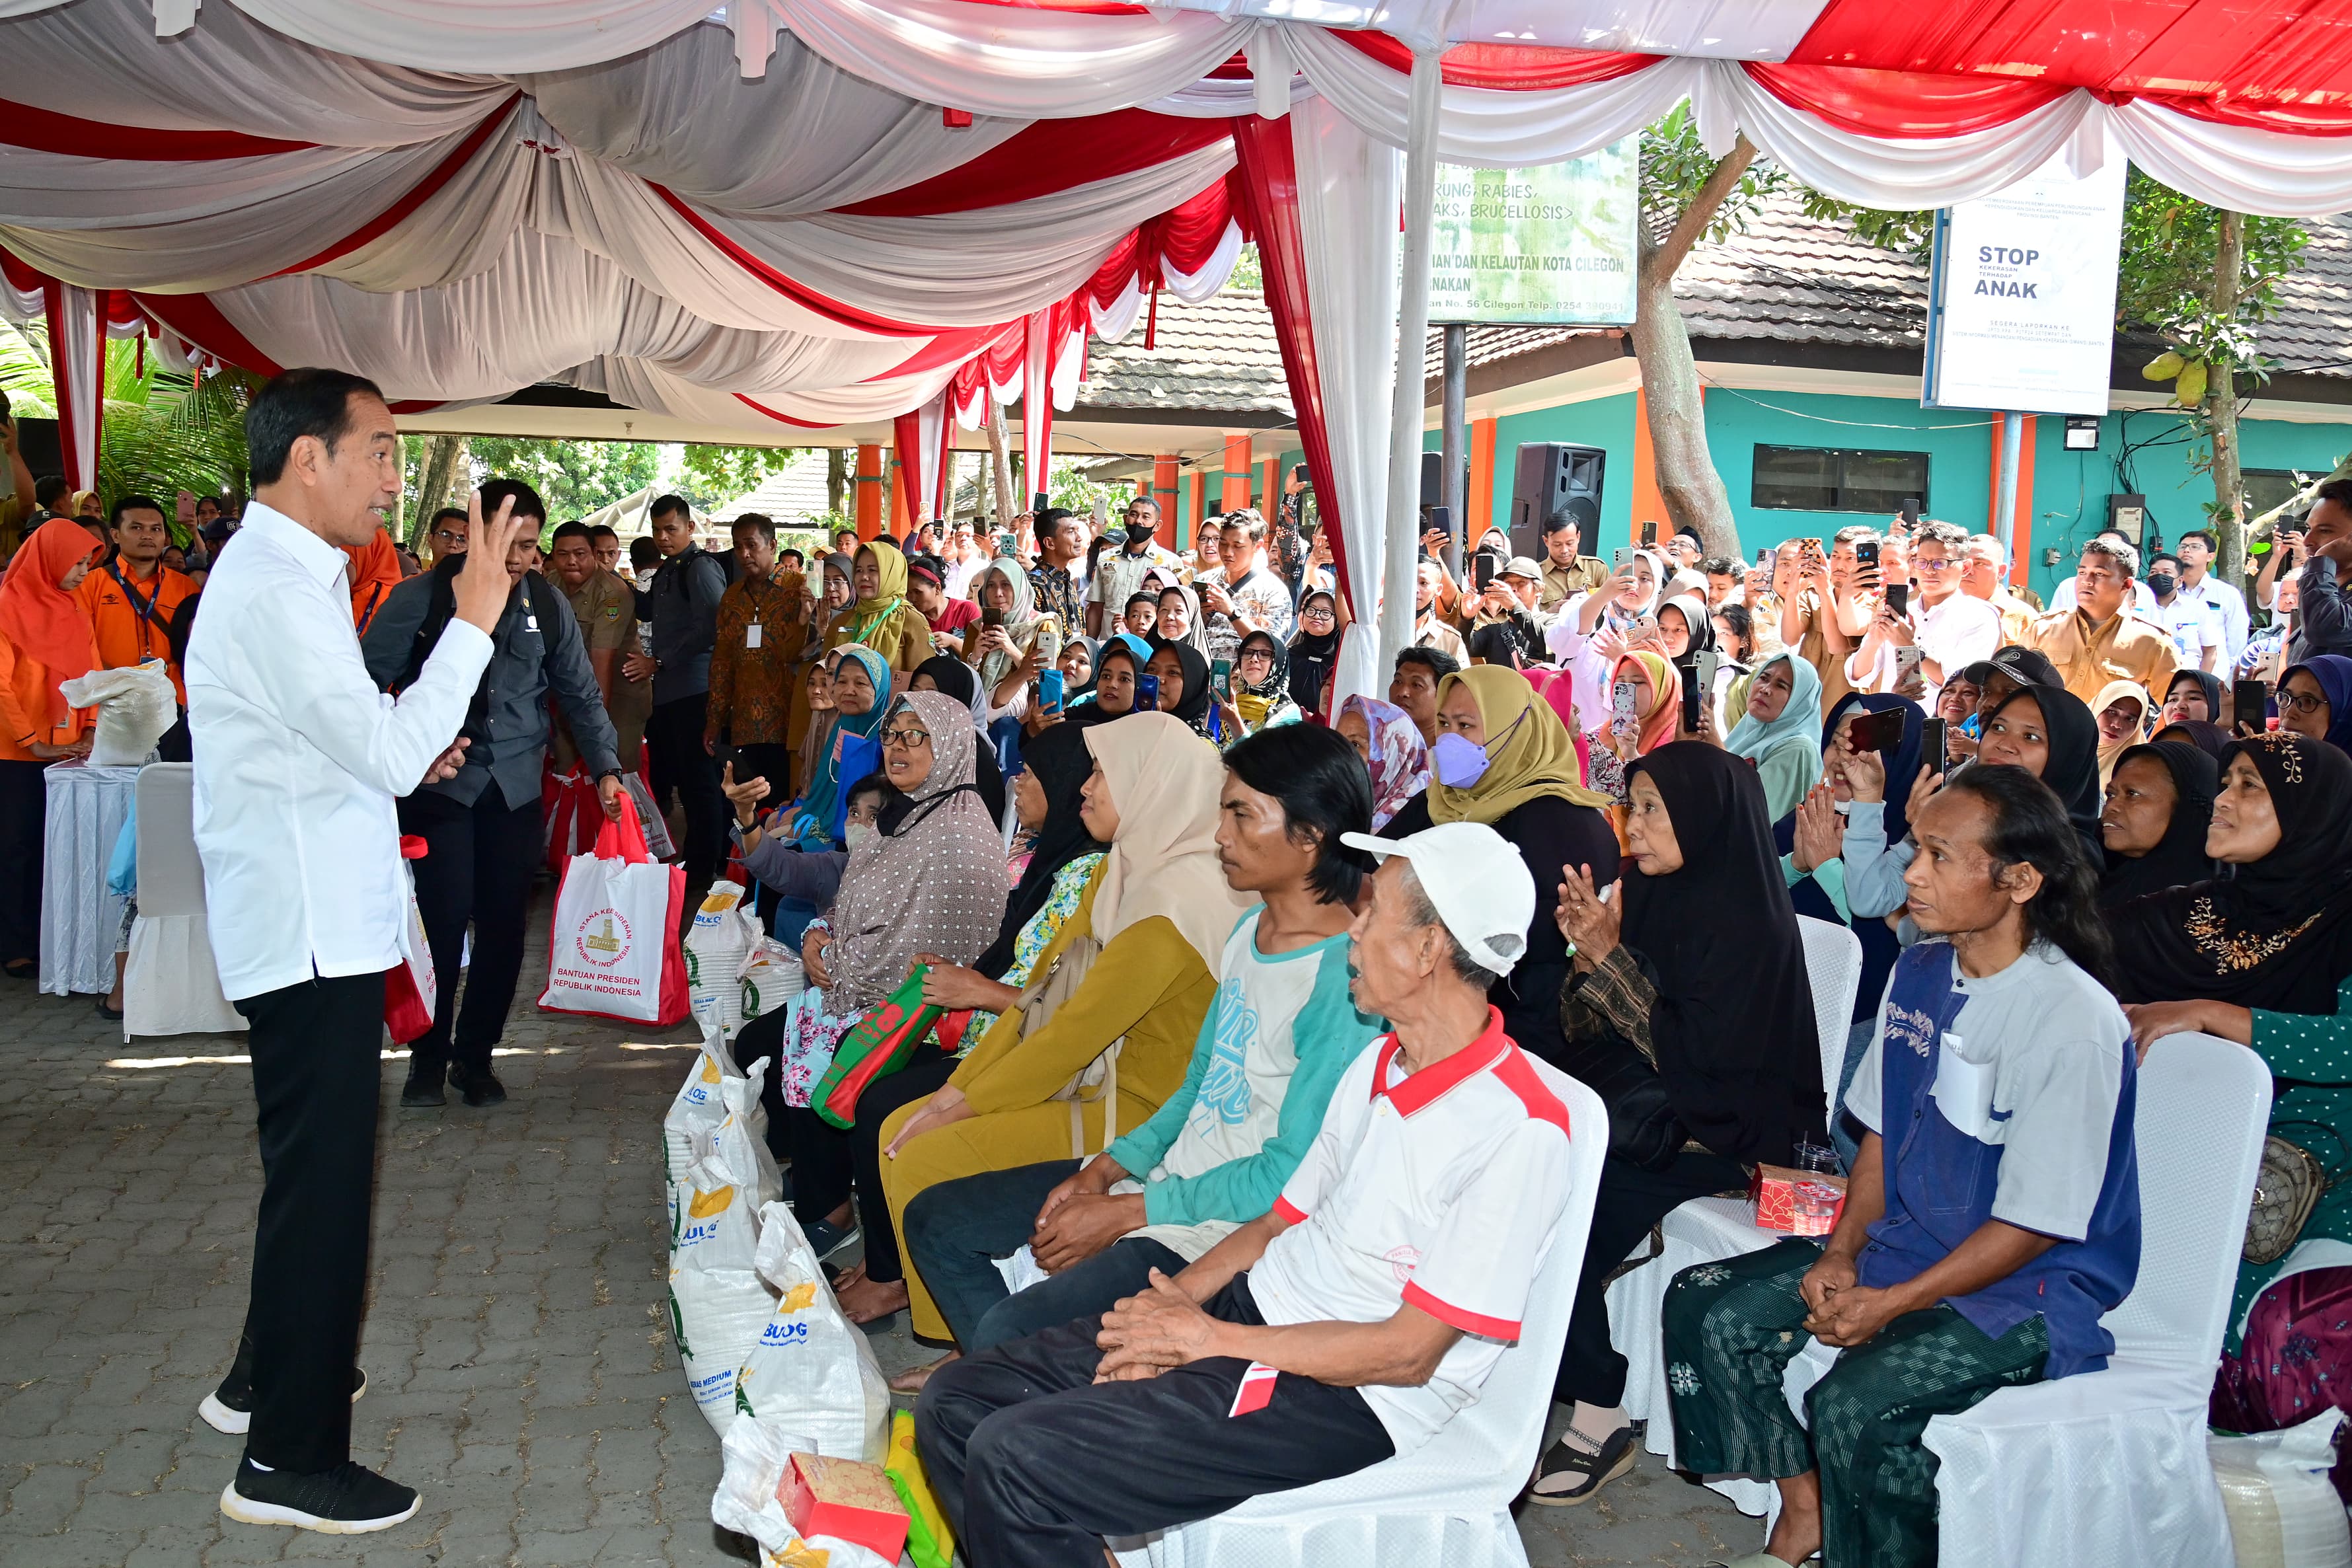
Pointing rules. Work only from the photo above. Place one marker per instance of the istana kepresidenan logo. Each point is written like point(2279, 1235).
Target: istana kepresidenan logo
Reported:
point(604, 939)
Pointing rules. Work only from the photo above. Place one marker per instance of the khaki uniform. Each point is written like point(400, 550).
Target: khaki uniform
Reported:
point(2124, 648)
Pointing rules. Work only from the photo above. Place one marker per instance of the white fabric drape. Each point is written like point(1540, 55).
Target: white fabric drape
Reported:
point(1348, 193)
point(78, 366)
point(1037, 403)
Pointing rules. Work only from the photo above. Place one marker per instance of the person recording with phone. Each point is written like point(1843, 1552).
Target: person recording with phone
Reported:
point(1939, 629)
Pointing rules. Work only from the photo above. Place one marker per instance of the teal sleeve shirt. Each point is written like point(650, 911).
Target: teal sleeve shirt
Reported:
point(1326, 1034)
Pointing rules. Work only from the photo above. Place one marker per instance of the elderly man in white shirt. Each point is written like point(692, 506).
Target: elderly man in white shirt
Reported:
point(298, 760)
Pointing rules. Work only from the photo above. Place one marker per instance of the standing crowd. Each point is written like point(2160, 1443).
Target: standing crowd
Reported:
point(1262, 1013)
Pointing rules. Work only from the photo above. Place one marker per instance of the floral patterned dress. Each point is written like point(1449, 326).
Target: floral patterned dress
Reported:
point(1038, 934)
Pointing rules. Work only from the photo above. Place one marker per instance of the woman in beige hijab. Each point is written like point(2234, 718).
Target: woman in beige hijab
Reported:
point(1154, 920)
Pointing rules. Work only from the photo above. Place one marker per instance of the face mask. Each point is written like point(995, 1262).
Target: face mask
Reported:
point(1139, 533)
point(2160, 583)
point(860, 834)
point(1458, 763)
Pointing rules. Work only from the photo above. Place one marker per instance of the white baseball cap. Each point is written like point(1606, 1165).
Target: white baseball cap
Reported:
point(1476, 883)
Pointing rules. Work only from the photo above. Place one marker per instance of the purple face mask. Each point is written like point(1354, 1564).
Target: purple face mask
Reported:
point(1458, 763)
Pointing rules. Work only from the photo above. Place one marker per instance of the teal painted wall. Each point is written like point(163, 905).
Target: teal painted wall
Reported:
point(1606, 422)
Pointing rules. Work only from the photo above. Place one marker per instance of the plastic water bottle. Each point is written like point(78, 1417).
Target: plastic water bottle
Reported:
point(1816, 1203)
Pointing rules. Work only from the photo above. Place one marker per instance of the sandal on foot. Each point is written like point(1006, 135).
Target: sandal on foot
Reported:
point(1585, 1469)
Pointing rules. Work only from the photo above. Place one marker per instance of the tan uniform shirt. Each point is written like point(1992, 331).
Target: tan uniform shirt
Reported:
point(1562, 583)
point(2124, 648)
point(607, 612)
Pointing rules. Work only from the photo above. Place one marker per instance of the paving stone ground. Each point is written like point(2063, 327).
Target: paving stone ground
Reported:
point(519, 1372)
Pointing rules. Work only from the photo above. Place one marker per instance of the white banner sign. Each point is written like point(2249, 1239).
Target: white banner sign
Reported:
point(1554, 244)
point(2022, 309)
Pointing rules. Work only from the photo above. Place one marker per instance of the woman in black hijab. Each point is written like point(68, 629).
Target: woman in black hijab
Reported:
point(2263, 954)
point(2195, 695)
point(1117, 667)
point(2050, 733)
point(2159, 805)
point(1315, 654)
point(2210, 738)
point(1058, 763)
point(950, 676)
point(1690, 1012)
point(1183, 672)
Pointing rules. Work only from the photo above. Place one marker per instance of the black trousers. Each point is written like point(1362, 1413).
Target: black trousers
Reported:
point(24, 829)
point(675, 733)
point(316, 1051)
point(1630, 1201)
point(477, 868)
point(826, 1160)
point(1035, 1462)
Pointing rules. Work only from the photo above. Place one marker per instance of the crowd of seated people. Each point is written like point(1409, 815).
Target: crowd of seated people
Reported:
point(1232, 934)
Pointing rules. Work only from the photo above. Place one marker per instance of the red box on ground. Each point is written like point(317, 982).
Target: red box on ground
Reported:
point(1773, 1189)
point(848, 1499)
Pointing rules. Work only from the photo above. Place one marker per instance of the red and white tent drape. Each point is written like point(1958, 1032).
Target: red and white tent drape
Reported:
point(811, 211)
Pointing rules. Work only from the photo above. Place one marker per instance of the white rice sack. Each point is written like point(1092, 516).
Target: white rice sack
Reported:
point(718, 1304)
point(810, 1370)
point(2283, 1511)
point(135, 706)
point(723, 931)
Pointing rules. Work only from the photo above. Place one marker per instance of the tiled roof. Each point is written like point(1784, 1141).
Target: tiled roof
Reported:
point(1217, 355)
point(1784, 278)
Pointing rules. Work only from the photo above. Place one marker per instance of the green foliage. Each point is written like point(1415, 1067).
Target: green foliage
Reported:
point(717, 475)
point(1676, 164)
point(1246, 273)
point(165, 431)
point(1070, 488)
point(1912, 233)
point(574, 477)
point(2167, 280)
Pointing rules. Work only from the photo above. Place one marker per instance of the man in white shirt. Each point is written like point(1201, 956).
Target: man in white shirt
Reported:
point(298, 760)
point(1952, 630)
point(2199, 635)
point(1256, 599)
point(2197, 549)
point(1351, 1323)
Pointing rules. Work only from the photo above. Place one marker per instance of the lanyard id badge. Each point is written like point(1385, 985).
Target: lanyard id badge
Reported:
point(751, 635)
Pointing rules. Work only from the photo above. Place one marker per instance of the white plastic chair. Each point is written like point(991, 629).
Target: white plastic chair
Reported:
point(170, 984)
point(2109, 1468)
point(1709, 1229)
point(1448, 1502)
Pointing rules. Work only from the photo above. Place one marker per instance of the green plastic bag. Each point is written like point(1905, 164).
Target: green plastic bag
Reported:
point(877, 1044)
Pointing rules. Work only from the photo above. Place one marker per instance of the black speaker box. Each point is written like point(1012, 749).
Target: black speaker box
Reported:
point(1555, 477)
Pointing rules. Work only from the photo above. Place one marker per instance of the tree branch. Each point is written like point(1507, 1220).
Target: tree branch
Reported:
point(1667, 258)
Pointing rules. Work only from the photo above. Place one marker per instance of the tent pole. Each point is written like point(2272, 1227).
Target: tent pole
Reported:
point(1412, 361)
point(1454, 487)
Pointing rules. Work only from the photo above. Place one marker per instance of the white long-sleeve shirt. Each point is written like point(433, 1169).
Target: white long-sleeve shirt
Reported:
point(298, 758)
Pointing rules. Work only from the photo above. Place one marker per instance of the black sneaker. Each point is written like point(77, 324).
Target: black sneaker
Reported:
point(423, 1085)
point(479, 1086)
point(349, 1499)
point(229, 1407)
point(1577, 1473)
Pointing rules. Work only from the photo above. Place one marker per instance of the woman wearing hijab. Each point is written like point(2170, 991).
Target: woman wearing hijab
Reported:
point(2046, 730)
point(880, 617)
point(1315, 653)
point(1812, 842)
point(1594, 629)
point(1504, 758)
point(1777, 732)
point(947, 674)
point(2122, 712)
point(1690, 993)
point(931, 881)
point(1685, 630)
point(1178, 620)
point(1149, 929)
point(1391, 744)
point(2261, 955)
point(1119, 667)
point(2314, 698)
point(1261, 690)
point(860, 691)
point(45, 641)
point(1182, 673)
point(1656, 716)
point(2210, 738)
point(2159, 808)
point(2194, 694)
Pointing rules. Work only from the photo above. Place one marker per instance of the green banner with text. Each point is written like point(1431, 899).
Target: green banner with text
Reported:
point(1553, 244)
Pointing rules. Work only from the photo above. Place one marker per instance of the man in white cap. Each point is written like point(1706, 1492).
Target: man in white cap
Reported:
point(1347, 1325)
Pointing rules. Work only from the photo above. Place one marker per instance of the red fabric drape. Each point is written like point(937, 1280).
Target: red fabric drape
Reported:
point(1270, 188)
point(1516, 68)
point(40, 129)
point(907, 446)
point(1888, 103)
point(1048, 156)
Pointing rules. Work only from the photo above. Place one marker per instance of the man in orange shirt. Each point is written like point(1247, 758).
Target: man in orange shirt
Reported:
point(132, 598)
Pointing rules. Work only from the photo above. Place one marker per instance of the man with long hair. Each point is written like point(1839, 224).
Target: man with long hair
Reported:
point(1991, 1217)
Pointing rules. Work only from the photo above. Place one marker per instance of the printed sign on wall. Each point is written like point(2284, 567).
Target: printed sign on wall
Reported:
point(2021, 312)
point(1554, 244)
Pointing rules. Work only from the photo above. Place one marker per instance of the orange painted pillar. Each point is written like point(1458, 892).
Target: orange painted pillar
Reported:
point(1199, 497)
point(1649, 501)
point(1237, 473)
point(901, 524)
point(1481, 502)
point(1162, 493)
point(1270, 487)
point(869, 491)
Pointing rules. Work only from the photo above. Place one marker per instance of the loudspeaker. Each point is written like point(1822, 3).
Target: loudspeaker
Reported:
point(1554, 477)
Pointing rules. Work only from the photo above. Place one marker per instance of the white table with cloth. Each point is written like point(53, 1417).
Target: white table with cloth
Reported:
point(81, 921)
